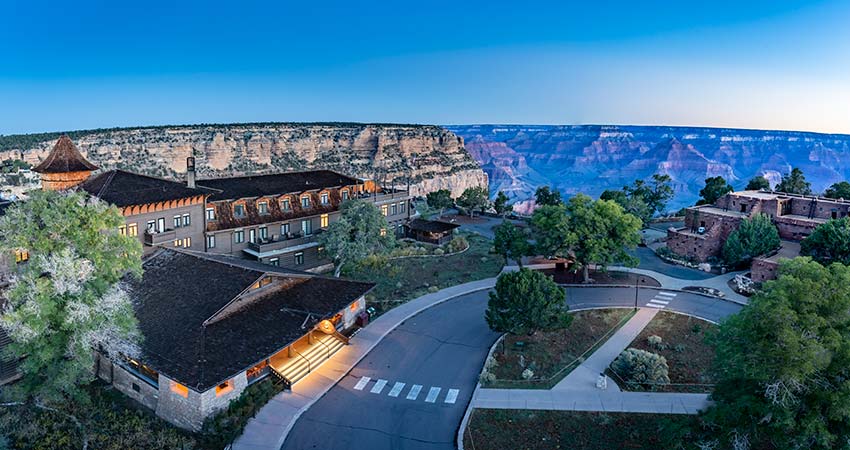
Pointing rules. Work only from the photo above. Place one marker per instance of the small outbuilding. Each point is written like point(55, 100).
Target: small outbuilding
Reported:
point(430, 231)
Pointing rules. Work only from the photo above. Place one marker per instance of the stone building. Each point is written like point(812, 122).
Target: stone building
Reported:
point(64, 167)
point(707, 226)
point(212, 325)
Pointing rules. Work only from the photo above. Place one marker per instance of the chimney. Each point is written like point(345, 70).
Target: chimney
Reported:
point(190, 172)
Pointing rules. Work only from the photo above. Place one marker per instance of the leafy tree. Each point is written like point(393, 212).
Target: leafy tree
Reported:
point(838, 190)
point(715, 187)
point(473, 198)
point(781, 363)
point(544, 196)
point(643, 199)
point(641, 367)
point(794, 183)
point(526, 301)
point(440, 200)
point(601, 233)
point(755, 236)
point(757, 184)
point(360, 231)
point(511, 242)
point(68, 299)
point(501, 204)
point(551, 231)
point(829, 242)
point(634, 205)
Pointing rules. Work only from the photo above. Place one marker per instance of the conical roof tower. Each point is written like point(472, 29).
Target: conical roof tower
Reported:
point(65, 167)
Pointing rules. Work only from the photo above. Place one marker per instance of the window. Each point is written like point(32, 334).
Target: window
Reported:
point(252, 235)
point(305, 202)
point(133, 229)
point(224, 388)
point(325, 199)
point(345, 195)
point(160, 224)
point(238, 237)
point(383, 231)
point(324, 220)
point(187, 242)
point(176, 221)
point(177, 242)
point(353, 306)
point(384, 210)
point(262, 283)
point(21, 256)
point(257, 372)
point(307, 227)
point(299, 258)
point(263, 207)
point(264, 233)
point(210, 213)
point(122, 230)
point(187, 220)
point(284, 205)
point(402, 207)
point(239, 210)
point(274, 261)
point(144, 372)
point(179, 389)
point(151, 226)
point(211, 241)
point(394, 209)
point(284, 229)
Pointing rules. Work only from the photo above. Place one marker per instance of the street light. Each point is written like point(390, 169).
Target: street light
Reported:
point(636, 290)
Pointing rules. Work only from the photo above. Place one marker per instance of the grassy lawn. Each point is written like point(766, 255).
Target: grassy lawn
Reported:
point(491, 429)
point(555, 352)
point(683, 343)
point(399, 280)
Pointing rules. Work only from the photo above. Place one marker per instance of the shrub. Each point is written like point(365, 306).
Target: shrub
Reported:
point(654, 342)
point(439, 251)
point(527, 374)
point(641, 367)
point(457, 244)
point(223, 428)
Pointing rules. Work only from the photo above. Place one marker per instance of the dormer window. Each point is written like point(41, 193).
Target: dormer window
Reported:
point(284, 205)
point(21, 256)
point(239, 210)
point(263, 207)
point(305, 202)
point(325, 200)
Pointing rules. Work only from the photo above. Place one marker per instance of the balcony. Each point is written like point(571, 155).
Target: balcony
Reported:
point(157, 238)
point(381, 197)
point(279, 244)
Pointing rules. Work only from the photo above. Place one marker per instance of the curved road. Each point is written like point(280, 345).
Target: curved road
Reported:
point(422, 375)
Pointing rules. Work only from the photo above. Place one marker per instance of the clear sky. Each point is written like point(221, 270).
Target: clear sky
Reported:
point(777, 64)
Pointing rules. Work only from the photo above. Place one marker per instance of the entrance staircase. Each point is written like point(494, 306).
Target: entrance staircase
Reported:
point(305, 360)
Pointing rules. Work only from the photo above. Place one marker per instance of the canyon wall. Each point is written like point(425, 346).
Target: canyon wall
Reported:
point(427, 157)
point(592, 158)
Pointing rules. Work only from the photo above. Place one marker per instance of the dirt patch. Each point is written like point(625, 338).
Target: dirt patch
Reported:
point(547, 353)
point(684, 345)
point(608, 277)
point(491, 429)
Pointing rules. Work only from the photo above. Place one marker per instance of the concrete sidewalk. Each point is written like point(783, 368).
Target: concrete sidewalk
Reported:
point(584, 376)
point(590, 400)
point(268, 429)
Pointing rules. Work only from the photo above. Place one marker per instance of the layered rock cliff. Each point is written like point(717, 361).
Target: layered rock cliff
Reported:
point(427, 157)
point(590, 159)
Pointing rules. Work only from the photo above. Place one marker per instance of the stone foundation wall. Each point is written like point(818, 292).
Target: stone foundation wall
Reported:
point(763, 270)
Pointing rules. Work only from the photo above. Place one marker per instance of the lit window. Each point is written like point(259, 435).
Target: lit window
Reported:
point(353, 306)
point(263, 207)
point(133, 229)
point(144, 372)
point(187, 242)
point(305, 202)
point(324, 219)
point(385, 210)
point(224, 388)
point(21, 256)
point(325, 199)
point(176, 221)
point(179, 389)
point(122, 230)
point(210, 213)
point(239, 210)
point(187, 220)
point(284, 205)
point(383, 231)
point(299, 258)
point(211, 241)
point(177, 242)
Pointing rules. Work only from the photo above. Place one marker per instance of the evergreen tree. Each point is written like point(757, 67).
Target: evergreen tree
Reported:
point(360, 231)
point(474, 198)
point(511, 242)
point(715, 187)
point(440, 200)
point(829, 242)
point(755, 236)
point(544, 196)
point(526, 301)
point(551, 231)
point(838, 190)
point(794, 183)
point(757, 184)
point(501, 204)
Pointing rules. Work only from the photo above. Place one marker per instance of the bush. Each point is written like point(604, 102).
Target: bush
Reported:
point(641, 367)
point(655, 342)
point(457, 244)
point(223, 428)
point(439, 251)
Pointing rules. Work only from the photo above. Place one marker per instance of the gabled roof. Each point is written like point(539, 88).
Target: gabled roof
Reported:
point(180, 292)
point(431, 226)
point(122, 188)
point(64, 158)
point(275, 184)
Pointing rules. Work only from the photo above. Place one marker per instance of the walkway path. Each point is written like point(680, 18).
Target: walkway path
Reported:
point(590, 400)
point(268, 429)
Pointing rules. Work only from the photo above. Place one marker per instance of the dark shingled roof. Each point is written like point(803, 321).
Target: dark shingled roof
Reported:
point(64, 158)
point(180, 291)
point(125, 188)
point(276, 184)
point(431, 226)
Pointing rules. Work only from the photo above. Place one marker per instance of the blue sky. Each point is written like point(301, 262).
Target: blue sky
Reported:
point(777, 64)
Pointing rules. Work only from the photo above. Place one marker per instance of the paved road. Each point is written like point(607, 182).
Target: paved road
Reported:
point(650, 261)
point(442, 348)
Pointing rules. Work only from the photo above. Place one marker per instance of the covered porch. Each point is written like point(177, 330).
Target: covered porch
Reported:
point(430, 231)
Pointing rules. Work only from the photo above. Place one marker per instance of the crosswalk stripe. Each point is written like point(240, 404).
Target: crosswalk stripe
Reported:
point(667, 294)
point(414, 392)
point(397, 387)
point(362, 383)
point(432, 395)
point(655, 300)
point(655, 306)
point(378, 387)
point(451, 396)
